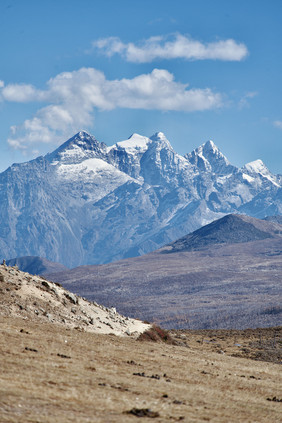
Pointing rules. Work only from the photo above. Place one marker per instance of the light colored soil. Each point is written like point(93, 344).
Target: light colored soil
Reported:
point(33, 297)
point(77, 376)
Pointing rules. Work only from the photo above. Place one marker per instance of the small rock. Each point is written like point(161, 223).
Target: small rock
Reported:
point(71, 297)
point(46, 285)
point(143, 412)
point(275, 399)
point(31, 349)
point(63, 355)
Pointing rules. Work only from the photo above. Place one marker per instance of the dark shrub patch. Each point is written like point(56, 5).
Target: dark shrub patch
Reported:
point(156, 334)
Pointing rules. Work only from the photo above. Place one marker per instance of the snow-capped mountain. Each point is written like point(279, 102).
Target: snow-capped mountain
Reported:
point(88, 203)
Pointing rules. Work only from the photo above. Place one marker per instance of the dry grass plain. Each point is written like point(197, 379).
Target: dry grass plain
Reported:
point(53, 374)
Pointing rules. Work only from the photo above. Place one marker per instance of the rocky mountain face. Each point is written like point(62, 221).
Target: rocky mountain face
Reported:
point(87, 203)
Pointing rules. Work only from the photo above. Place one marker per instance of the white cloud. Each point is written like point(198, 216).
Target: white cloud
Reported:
point(72, 97)
point(278, 124)
point(244, 100)
point(172, 47)
point(21, 93)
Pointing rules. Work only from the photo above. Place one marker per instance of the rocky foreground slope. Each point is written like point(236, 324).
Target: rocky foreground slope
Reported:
point(34, 298)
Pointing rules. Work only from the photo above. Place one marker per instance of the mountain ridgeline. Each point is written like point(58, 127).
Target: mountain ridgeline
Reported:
point(87, 203)
point(231, 229)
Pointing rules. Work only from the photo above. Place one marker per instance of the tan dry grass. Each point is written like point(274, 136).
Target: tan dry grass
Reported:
point(96, 384)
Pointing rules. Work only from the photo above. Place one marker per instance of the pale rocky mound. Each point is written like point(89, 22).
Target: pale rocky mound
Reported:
point(33, 297)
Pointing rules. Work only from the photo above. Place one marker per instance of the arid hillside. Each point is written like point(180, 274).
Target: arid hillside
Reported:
point(35, 298)
point(53, 374)
point(56, 368)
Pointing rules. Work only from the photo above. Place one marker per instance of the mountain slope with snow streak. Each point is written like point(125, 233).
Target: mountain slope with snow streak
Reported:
point(87, 203)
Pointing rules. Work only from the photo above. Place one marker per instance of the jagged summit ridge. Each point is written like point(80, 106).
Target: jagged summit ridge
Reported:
point(86, 203)
point(78, 148)
point(209, 158)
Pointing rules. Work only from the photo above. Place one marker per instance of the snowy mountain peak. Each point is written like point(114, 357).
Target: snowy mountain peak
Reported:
point(161, 139)
point(82, 134)
point(210, 145)
point(158, 136)
point(257, 166)
point(80, 147)
point(134, 144)
point(88, 203)
point(208, 157)
point(209, 148)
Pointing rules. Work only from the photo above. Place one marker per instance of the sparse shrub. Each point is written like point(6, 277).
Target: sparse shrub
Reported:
point(156, 334)
point(272, 310)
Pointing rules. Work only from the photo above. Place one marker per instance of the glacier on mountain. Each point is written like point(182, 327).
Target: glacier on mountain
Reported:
point(87, 203)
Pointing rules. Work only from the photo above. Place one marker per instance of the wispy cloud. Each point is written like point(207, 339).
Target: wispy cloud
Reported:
point(72, 97)
point(175, 46)
point(278, 124)
point(244, 102)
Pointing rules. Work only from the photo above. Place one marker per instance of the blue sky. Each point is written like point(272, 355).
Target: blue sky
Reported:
point(193, 70)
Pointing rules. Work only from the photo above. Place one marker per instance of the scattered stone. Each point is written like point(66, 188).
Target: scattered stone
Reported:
point(139, 374)
point(46, 285)
point(144, 375)
point(63, 355)
point(71, 297)
point(177, 402)
point(91, 368)
point(143, 412)
point(275, 399)
point(132, 362)
point(31, 349)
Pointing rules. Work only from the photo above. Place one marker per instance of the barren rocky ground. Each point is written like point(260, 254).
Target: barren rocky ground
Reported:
point(51, 373)
point(58, 367)
point(33, 297)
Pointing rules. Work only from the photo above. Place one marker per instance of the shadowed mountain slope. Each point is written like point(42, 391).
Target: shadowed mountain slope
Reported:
point(231, 279)
point(36, 265)
point(231, 229)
